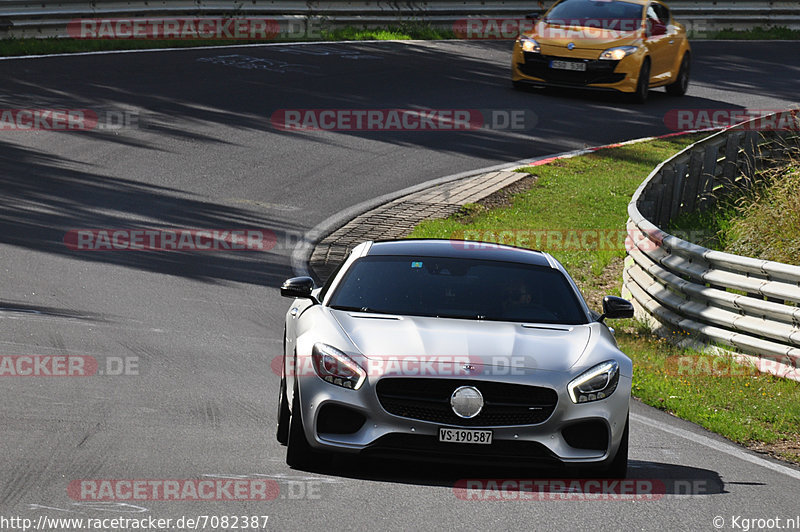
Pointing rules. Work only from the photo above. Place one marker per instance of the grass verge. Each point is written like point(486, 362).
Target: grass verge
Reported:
point(758, 34)
point(754, 409)
point(403, 32)
point(587, 196)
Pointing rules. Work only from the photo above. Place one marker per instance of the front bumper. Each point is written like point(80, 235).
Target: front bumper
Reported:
point(605, 75)
point(544, 442)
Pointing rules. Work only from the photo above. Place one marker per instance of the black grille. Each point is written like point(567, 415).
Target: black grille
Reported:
point(509, 451)
point(591, 435)
point(429, 400)
point(337, 419)
point(597, 71)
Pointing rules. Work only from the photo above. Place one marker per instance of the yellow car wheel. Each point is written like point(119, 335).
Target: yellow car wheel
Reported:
point(681, 84)
point(643, 83)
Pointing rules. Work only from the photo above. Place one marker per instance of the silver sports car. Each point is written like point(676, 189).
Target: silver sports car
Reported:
point(454, 350)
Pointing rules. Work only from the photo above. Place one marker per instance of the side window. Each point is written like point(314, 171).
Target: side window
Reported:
point(662, 12)
point(656, 23)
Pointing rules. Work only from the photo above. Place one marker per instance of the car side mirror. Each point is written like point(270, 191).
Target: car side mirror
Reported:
point(616, 308)
point(299, 287)
point(533, 15)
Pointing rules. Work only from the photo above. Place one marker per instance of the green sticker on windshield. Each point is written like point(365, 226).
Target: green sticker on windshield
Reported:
point(416, 265)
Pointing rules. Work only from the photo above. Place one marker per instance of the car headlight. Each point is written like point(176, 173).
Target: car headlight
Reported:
point(529, 45)
point(615, 54)
point(335, 367)
point(594, 384)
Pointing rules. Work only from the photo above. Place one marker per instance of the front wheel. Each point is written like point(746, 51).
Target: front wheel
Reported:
point(643, 84)
point(282, 432)
point(681, 84)
point(299, 454)
point(618, 468)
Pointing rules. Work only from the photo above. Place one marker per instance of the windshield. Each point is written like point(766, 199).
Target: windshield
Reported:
point(458, 288)
point(605, 14)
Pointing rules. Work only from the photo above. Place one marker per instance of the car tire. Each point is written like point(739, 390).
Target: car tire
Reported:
point(282, 431)
point(618, 468)
point(518, 85)
point(299, 454)
point(681, 84)
point(643, 83)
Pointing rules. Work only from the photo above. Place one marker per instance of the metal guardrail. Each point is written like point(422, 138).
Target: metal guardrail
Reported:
point(47, 18)
point(748, 304)
point(703, 17)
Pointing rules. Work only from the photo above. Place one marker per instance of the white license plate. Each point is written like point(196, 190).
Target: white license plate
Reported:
point(568, 65)
point(481, 437)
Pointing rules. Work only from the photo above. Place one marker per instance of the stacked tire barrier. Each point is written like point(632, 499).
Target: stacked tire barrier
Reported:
point(747, 304)
point(46, 18)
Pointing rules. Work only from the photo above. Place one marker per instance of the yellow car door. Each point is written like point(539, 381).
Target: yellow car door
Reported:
point(675, 39)
point(657, 41)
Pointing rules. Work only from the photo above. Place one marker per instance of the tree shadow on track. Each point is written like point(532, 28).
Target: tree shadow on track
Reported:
point(43, 197)
point(759, 68)
point(208, 111)
point(195, 94)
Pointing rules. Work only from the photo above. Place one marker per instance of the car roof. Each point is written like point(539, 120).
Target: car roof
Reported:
point(466, 249)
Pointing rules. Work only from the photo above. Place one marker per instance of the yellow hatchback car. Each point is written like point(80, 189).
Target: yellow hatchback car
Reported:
point(623, 45)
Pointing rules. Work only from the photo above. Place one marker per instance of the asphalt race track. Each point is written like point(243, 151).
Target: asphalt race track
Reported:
point(199, 330)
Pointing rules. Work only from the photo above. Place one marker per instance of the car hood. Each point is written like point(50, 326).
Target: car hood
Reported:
point(491, 343)
point(584, 38)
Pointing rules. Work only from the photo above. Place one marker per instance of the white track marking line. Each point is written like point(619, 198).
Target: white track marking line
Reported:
point(184, 48)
